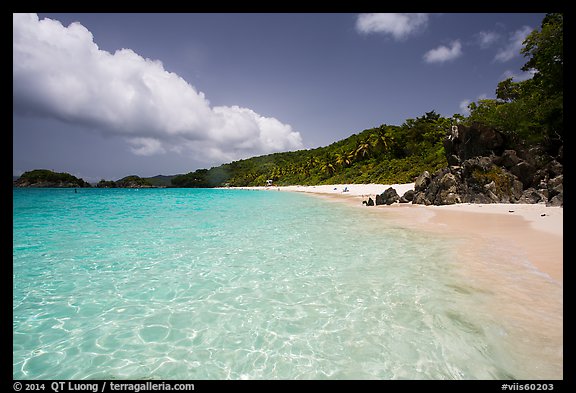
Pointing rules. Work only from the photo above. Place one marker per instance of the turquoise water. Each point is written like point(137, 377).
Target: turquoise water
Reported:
point(238, 284)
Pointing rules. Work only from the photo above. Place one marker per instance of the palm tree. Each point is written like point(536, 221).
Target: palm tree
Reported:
point(381, 139)
point(276, 173)
point(312, 162)
point(343, 160)
point(328, 168)
point(363, 149)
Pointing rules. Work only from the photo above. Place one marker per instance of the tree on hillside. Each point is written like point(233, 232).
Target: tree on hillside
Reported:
point(531, 111)
point(507, 90)
point(363, 149)
point(545, 49)
point(343, 160)
point(381, 139)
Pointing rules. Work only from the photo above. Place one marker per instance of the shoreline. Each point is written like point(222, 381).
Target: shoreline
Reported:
point(509, 255)
point(536, 230)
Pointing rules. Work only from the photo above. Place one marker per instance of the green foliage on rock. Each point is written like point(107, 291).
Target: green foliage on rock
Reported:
point(500, 181)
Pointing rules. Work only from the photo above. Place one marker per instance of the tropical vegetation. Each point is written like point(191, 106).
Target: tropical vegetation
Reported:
point(383, 154)
point(527, 113)
point(531, 111)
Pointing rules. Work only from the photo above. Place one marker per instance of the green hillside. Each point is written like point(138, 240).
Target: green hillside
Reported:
point(528, 113)
point(160, 180)
point(384, 154)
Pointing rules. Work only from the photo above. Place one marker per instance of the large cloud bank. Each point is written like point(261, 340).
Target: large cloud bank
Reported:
point(59, 72)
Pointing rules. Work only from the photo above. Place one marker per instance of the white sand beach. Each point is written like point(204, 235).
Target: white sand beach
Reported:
point(534, 228)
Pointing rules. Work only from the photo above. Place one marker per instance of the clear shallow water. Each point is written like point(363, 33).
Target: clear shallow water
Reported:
point(235, 284)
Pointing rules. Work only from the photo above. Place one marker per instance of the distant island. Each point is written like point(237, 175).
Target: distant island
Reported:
point(131, 181)
point(507, 150)
point(44, 178)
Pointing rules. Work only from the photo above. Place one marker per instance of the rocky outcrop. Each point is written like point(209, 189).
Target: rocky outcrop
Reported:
point(482, 170)
point(369, 202)
point(388, 197)
point(407, 197)
point(466, 142)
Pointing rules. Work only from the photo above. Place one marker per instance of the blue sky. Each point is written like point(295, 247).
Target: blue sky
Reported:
point(110, 95)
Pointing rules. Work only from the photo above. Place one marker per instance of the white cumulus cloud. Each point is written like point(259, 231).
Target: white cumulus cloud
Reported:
point(59, 72)
point(512, 49)
point(487, 38)
point(399, 26)
point(444, 53)
point(518, 77)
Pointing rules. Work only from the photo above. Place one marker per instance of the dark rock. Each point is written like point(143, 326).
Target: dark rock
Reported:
point(556, 200)
point(389, 196)
point(475, 197)
point(448, 181)
point(554, 168)
point(422, 181)
point(482, 164)
point(536, 156)
point(420, 199)
point(556, 191)
point(555, 186)
point(531, 196)
point(407, 197)
point(453, 160)
point(509, 159)
point(540, 178)
point(524, 172)
point(370, 202)
point(446, 192)
point(516, 190)
point(544, 192)
point(467, 142)
point(447, 198)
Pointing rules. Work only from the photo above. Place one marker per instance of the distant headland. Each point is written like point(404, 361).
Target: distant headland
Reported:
point(45, 178)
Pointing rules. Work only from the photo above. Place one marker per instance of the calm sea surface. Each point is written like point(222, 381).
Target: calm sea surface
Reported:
point(238, 284)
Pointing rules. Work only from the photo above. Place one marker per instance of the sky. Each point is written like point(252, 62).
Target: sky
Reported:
point(103, 96)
